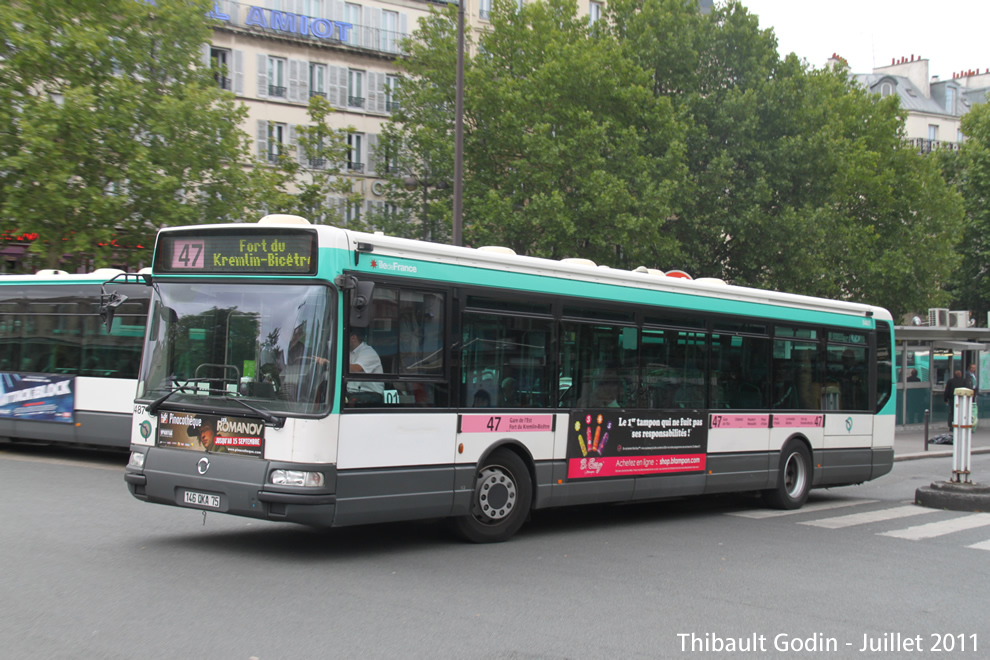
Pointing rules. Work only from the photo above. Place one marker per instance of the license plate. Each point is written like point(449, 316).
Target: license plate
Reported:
point(201, 499)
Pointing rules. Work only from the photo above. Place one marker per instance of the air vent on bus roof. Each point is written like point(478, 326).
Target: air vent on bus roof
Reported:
point(283, 219)
point(107, 272)
point(710, 280)
point(499, 249)
point(578, 261)
point(49, 272)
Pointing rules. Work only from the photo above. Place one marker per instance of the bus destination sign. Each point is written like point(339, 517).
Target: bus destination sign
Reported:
point(281, 253)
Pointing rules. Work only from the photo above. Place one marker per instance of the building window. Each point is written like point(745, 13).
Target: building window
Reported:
point(355, 88)
point(391, 87)
point(220, 59)
point(276, 140)
point(886, 89)
point(950, 100)
point(594, 12)
point(484, 9)
point(354, 163)
point(276, 76)
point(959, 135)
point(932, 131)
point(352, 15)
point(390, 31)
point(312, 8)
point(352, 211)
point(317, 80)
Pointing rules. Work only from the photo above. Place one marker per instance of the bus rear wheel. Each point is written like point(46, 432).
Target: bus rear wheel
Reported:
point(793, 479)
point(500, 503)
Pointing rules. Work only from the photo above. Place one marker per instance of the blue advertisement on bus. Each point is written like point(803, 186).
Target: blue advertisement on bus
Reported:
point(37, 397)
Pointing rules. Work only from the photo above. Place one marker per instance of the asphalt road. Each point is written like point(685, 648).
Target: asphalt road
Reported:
point(89, 572)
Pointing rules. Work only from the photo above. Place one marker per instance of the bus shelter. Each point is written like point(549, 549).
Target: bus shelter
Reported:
point(926, 358)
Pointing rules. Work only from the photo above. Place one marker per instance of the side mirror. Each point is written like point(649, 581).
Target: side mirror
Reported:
point(109, 302)
point(361, 295)
point(361, 304)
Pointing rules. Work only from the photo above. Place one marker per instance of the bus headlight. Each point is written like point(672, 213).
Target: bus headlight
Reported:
point(297, 478)
point(136, 460)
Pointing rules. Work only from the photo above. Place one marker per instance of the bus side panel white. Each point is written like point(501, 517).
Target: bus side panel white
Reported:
point(847, 430)
point(539, 444)
point(883, 430)
point(560, 437)
point(303, 441)
point(115, 395)
point(369, 441)
point(815, 435)
point(738, 440)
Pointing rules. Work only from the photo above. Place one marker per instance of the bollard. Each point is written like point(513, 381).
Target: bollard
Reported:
point(962, 434)
point(928, 414)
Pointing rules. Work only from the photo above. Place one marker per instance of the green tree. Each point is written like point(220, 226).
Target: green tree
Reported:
point(306, 175)
point(566, 151)
point(798, 178)
point(969, 170)
point(112, 127)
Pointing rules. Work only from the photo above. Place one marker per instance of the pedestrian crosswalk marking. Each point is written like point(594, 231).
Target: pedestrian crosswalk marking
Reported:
point(807, 508)
point(942, 527)
point(838, 522)
point(982, 545)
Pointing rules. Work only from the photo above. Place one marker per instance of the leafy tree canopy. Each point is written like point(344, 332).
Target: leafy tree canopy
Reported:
point(663, 137)
point(112, 127)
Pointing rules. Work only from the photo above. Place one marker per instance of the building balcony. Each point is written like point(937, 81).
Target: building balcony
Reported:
point(926, 146)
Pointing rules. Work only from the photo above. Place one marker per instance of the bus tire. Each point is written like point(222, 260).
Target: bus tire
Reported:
point(793, 478)
point(503, 493)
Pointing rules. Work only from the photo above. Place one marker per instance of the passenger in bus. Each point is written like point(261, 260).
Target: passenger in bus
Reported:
point(605, 395)
point(482, 399)
point(853, 383)
point(364, 360)
point(784, 390)
point(510, 393)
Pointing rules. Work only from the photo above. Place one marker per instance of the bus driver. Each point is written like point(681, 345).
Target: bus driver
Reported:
point(364, 359)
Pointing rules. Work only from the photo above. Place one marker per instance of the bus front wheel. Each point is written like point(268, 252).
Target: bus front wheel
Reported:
point(793, 478)
point(500, 503)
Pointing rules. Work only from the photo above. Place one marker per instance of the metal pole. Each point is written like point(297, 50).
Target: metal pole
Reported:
point(928, 414)
point(459, 126)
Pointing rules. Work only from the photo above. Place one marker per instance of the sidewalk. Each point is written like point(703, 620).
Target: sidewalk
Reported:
point(909, 441)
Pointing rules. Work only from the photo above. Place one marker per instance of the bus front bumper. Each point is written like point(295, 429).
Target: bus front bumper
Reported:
point(237, 485)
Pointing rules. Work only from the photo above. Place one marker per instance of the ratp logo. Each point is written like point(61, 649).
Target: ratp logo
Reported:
point(849, 424)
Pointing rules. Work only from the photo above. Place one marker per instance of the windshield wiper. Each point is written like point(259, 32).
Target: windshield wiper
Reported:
point(274, 420)
point(156, 404)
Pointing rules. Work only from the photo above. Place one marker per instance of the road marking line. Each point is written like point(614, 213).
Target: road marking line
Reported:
point(807, 508)
point(983, 545)
point(942, 527)
point(868, 517)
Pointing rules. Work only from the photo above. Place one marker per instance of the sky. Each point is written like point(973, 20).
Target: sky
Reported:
point(869, 33)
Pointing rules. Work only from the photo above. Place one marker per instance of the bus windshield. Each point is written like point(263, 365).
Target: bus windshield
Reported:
point(265, 344)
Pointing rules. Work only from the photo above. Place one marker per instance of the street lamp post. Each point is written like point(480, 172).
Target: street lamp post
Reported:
point(459, 127)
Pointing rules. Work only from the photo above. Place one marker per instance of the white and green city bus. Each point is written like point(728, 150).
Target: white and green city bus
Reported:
point(64, 377)
point(507, 383)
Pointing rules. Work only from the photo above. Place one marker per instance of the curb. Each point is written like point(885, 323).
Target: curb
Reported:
point(954, 496)
point(936, 454)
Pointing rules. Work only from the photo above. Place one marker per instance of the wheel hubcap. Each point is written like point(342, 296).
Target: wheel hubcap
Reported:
point(794, 475)
point(496, 494)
